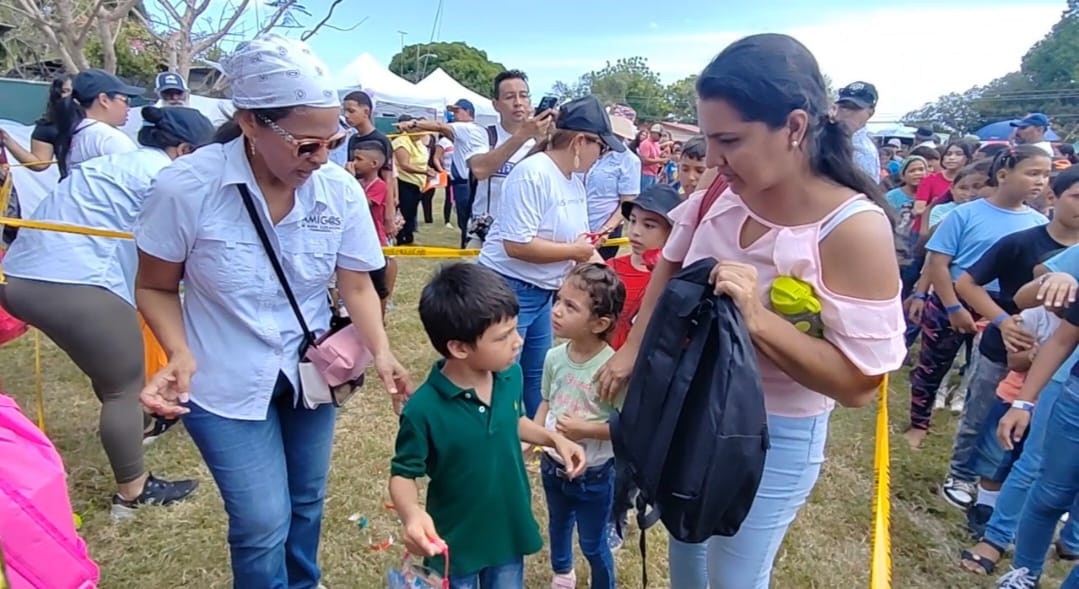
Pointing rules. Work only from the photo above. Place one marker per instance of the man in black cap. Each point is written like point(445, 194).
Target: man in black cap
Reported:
point(856, 104)
point(171, 89)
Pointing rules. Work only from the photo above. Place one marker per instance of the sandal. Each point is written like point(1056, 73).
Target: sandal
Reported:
point(972, 562)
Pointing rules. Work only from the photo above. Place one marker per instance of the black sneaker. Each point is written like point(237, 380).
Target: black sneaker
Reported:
point(158, 426)
point(156, 492)
point(977, 519)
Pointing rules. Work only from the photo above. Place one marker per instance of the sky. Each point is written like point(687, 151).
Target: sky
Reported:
point(912, 51)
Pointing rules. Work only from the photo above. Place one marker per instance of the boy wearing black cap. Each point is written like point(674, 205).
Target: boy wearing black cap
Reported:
point(648, 224)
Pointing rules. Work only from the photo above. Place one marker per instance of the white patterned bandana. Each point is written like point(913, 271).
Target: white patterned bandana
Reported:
point(272, 71)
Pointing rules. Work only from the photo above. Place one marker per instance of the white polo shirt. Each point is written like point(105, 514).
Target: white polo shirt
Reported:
point(540, 203)
point(94, 138)
point(106, 193)
point(468, 139)
point(237, 320)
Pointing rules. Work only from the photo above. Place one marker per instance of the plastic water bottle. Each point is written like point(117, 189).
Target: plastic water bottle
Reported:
point(794, 299)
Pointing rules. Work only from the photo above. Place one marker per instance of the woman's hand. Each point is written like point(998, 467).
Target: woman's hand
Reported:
point(741, 283)
point(394, 377)
point(1016, 339)
point(1012, 427)
point(612, 377)
point(914, 307)
point(1058, 289)
point(170, 388)
point(962, 321)
point(583, 249)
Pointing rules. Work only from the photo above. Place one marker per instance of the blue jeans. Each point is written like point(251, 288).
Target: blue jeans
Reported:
point(1000, 531)
point(744, 561)
point(585, 501)
point(272, 478)
point(1072, 582)
point(647, 181)
point(991, 461)
point(981, 398)
point(462, 203)
point(1057, 490)
point(534, 326)
point(504, 576)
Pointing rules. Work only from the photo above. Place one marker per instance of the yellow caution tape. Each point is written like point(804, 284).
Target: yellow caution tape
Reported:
point(880, 571)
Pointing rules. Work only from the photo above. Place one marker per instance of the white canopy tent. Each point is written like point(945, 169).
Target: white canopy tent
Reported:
point(392, 94)
point(439, 83)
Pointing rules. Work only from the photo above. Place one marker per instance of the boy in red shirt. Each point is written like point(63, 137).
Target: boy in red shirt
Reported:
point(368, 157)
point(648, 226)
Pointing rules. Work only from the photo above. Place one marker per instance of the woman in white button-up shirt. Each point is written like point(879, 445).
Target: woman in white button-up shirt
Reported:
point(79, 290)
point(234, 343)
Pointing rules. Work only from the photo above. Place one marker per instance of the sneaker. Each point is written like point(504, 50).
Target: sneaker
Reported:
point(158, 426)
point(941, 401)
point(977, 519)
point(449, 226)
point(156, 492)
point(956, 406)
point(958, 493)
point(614, 539)
point(564, 581)
point(1018, 579)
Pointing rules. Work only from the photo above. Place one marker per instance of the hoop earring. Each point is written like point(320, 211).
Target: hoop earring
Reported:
point(576, 158)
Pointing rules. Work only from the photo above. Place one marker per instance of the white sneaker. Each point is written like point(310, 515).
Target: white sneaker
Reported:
point(565, 581)
point(942, 399)
point(449, 225)
point(957, 404)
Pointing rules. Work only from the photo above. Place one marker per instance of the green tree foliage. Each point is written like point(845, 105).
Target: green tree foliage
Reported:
point(138, 54)
point(682, 99)
point(1046, 82)
point(629, 81)
point(464, 63)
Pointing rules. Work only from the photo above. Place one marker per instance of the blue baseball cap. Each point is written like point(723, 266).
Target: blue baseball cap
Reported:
point(169, 81)
point(186, 124)
point(1035, 119)
point(89, 84)
point(463, 104)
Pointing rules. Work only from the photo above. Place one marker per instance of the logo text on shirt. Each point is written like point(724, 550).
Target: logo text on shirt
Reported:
point(321, 222)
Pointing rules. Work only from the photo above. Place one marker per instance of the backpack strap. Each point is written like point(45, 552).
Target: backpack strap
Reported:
point(715, 190)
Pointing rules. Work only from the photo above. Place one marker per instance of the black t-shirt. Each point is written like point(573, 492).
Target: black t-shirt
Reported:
point(45, 132)
point(374, 135)
point(1011, 263)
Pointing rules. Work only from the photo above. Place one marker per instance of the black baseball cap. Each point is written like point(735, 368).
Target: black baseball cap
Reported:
point(586, 114)
point(657, 198)
point(88, 84)
point(169, 81)
point(860, 94)
point(186, 124)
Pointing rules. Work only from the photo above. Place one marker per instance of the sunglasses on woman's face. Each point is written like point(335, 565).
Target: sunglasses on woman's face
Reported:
point(603, 147)
point(305, 147)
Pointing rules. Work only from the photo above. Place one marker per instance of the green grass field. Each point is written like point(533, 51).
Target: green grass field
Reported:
point(184, 546)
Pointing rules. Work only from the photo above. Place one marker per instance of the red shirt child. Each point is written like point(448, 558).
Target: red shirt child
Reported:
point(376, 198)
point(647, 227)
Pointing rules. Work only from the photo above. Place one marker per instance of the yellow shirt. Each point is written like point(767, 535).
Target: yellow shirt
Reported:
point(417, 158)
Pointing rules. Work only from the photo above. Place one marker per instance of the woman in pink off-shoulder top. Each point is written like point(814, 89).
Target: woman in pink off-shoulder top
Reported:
point(797, 206)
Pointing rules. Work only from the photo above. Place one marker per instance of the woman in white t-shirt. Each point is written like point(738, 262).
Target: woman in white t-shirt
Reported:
point(87, 121)
point(541, 230)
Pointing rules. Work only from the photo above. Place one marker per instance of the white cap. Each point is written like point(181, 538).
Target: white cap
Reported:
point(272, 71)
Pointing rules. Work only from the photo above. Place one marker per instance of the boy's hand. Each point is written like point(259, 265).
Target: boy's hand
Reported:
point(572, 427)
point(572, 455)
point(420, 536)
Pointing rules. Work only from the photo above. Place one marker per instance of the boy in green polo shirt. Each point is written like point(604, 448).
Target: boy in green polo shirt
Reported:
point(463, 428)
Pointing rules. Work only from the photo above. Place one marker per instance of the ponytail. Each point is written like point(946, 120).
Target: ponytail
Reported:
point(1008, 159)
point(832, 155)
point(69, 113)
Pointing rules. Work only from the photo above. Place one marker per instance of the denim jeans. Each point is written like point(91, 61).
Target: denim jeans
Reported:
point(504, 576)
point(981, 398)
point(1057, 490)
point(272, 478)
point(534, 326)
point(1072, 582)
point(586, 502)
point(462, 203)
point(1000, 531)
point(744, 561)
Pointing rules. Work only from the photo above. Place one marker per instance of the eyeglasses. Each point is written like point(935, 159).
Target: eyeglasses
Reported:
point(603, 147)
point(305, 147)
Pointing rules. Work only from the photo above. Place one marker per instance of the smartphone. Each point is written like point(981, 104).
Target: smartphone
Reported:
point(546, 103)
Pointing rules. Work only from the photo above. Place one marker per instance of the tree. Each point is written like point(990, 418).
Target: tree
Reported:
point(631, 82)
point(68, 26)
point(682, 98)
point(137, 53)
point(463, 62)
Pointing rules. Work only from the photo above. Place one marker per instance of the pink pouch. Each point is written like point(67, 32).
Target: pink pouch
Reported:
point(340, 356)
point(41, 548)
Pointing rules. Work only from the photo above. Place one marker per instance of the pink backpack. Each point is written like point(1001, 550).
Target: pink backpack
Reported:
point(41, 548)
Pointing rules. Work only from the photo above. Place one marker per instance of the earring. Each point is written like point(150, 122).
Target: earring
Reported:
point(576, 158)
point(794, 143)
point(251, 147)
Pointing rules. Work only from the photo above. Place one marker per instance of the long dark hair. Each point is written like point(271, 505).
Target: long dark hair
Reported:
point(56, 96)
point(1010, 158)
point(230, 129)
point(69, 113)
point(766, 77)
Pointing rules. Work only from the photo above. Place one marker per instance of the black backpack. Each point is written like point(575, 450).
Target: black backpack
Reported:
point(692, 433)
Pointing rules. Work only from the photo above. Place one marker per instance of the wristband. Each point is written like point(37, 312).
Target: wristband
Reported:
point(999, 319)
point(1023, 405)
point(920, 296)
point(953, 309)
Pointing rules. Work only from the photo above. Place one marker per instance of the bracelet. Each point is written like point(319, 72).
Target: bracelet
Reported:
point(920, 296)
point(953, 309)
point(999, 319)
point(1023, 405)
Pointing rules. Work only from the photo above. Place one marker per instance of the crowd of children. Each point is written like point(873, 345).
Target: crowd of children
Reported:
point(981, 235)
